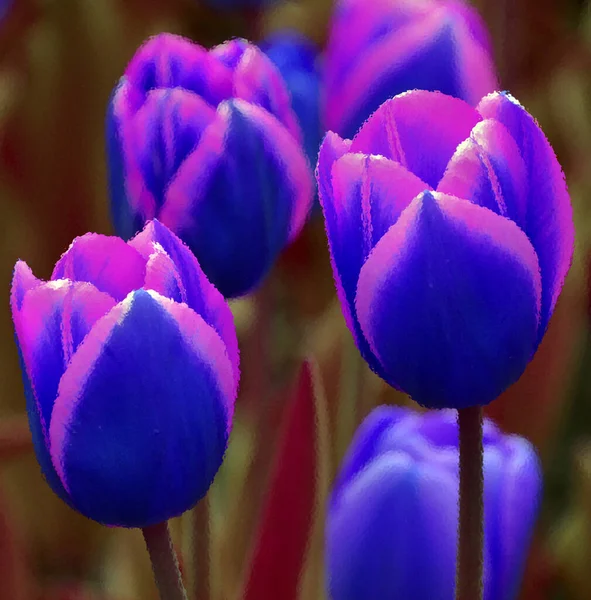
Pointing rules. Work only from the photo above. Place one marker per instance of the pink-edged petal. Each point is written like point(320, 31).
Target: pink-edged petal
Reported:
point(367, 194)
point(107, 262)
point(194, 287)
point(488, 170)
point(549, 216)
point(163, 277)
point(170, 61)
point(258, 81)
point(420, 130)
point(23, 280)
point(355, 26)
point(449, 302)
point(53, 320)
point(155, 142)
point(140, 424)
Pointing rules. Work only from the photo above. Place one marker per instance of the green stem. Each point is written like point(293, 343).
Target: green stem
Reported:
point(164, 562)
point(471, 521)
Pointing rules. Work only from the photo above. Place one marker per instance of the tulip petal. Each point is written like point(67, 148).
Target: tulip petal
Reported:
point(367, 195)
point(549, 218)
point(363, 447)
point(53, 319)
point(257, 81)
point(395, 515)
point(125, 457)
point(250, 176)
point(512, 500)
point(163, 132)
point(488, 170)
point(126, 220)
point(162, 276)
point(170, 61)
point(107, 262)
point(198, 292)
point(449, 302)
point(421, 130)
point(423, 55)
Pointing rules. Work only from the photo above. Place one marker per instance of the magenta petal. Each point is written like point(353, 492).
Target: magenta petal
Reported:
point(163, 277)
point(549, 219)
point(419, 129)
point(107, 262)
point(488, 170)
point(23, 280)
point(449, 302)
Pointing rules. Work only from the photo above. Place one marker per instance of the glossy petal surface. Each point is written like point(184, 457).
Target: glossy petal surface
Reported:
point(113, 427)
point(449, 302)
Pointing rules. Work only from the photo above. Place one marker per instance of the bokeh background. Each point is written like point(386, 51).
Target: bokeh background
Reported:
point(59, 60)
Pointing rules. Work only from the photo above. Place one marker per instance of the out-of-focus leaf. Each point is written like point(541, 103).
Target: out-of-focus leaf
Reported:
point(15, 438)
point(287, 518)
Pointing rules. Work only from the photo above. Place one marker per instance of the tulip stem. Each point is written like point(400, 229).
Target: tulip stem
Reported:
point(471, 522)
point(164, 562)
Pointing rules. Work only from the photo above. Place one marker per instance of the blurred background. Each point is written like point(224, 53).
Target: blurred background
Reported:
point(59, 60)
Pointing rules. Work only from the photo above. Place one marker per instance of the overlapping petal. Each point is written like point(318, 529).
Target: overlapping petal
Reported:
point(193, 286)
point(250, 157)
point(105, 421)
point(449, 302)
point(421, 130)
point(110, 264)
point(548, 219)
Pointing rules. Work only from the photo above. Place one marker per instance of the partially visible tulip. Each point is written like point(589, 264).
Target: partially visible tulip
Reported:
point(296, 57)
point(393, 513)
point(207, 142)
point(382, 48)
point(451, 233)
point(130, 366)
point(4, 6)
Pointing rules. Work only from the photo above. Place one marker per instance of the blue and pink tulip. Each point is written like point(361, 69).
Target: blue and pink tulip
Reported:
point(206, 141)
point(451, 233)
point(130, 366)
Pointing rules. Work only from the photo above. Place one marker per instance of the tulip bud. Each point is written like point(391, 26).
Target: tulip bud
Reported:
point(130, 366)
point(207, 142)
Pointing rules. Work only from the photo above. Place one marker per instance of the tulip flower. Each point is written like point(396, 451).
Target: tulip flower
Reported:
point(382, 48)
point(207, 143)
point(393, 512)
point(130, 368)
point(451, 232)
point(296, 57)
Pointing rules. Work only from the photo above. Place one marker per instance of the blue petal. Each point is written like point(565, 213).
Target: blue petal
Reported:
point(449, 302)
point(394, 533)
point(243, 220)
point(142, 426)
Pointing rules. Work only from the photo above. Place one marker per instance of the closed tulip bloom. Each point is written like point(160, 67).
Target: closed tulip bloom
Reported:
point(382, 48)
point(296, 57)
point(393, 512)
point(451, 233)
point(207, 142)
point(130, 366)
